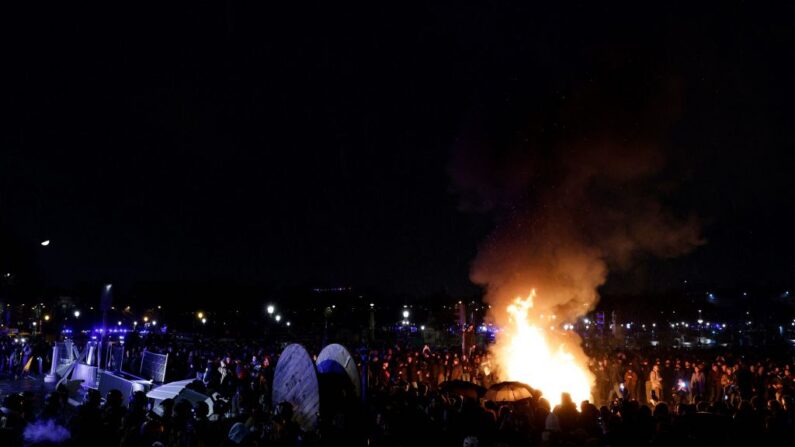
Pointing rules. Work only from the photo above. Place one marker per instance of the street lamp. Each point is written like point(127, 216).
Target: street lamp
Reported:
point(405, 314)
point(45, 242)
point(204, 321)
point(200, 315)
point(46, 318)
point(77, 314)
point(278, 318)
point(270, 309)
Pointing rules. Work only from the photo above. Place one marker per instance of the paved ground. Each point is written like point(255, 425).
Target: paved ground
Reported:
point(34, 384)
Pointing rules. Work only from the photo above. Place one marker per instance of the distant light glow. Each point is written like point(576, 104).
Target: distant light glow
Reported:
point(405, 314)
point(278, 318)
point(45, 243)
point(270, 309)
point(77, 314)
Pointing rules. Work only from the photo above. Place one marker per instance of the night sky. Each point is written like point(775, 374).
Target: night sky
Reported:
point(312, 145)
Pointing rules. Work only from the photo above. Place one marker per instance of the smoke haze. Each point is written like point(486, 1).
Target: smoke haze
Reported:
point(576, 191)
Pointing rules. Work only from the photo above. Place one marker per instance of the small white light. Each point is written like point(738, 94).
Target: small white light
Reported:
point(422, 328)
point(271, 309)
point(278, 318)
point(45, 243)
point(154, 322)
point(118, 323)
point(77, 314)
point(405, 314)
point(204, 321)
point(288, 324)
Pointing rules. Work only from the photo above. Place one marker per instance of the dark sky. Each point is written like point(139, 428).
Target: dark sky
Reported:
point(290, 145)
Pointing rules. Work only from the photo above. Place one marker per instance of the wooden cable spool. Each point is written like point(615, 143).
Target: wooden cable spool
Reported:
point(335, 359)
point(295, 381)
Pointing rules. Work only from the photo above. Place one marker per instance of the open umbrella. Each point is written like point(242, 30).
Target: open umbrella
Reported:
point(508, 392)
point(178, 391)
point(169, 390)
point(463, 388)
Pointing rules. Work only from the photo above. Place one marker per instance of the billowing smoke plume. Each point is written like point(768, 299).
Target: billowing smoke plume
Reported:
point(576, 191)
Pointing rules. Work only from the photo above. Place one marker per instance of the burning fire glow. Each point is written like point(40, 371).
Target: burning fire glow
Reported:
point(527, 353)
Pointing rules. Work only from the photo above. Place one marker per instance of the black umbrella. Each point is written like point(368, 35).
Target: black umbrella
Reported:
point(463, 388)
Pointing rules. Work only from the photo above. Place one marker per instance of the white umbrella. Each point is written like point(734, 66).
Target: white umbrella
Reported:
point(178, 391)
point(168, 390)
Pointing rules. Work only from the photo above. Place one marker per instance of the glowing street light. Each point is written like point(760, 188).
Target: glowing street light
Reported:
point(200, 315)
point(270, 309)
point(118, 323)
point(146, 319)
point(45, 242)
point(204, 321)
point(46, 318)
point(77, 314)
point(278, 318)
point(406, 314)
point(288, 324)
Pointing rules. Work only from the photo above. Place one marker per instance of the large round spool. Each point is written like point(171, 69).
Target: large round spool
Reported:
point(295, 381)
point(335, 359)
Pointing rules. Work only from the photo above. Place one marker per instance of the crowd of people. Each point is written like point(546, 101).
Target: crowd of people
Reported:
point(639, 398)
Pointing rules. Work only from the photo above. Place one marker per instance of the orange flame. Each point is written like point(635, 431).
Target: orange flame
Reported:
point(527, 353)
